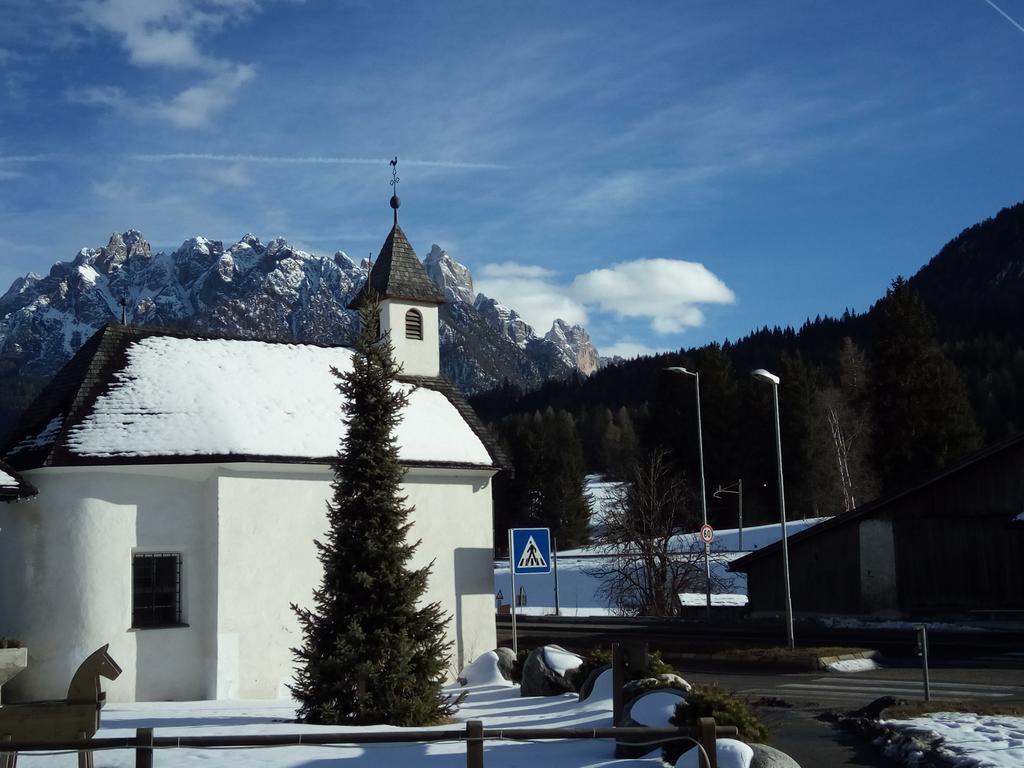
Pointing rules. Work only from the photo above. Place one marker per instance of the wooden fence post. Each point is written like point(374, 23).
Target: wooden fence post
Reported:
point(618, 681)
point(144, 748)
point(706, 737)
point(474, 744)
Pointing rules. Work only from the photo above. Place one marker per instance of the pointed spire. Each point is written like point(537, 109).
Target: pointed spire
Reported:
point(397, 273)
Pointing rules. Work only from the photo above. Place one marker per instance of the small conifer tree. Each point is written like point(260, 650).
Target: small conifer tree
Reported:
point(370, 652)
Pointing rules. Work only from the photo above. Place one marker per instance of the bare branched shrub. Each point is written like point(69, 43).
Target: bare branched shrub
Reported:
point(647, 558)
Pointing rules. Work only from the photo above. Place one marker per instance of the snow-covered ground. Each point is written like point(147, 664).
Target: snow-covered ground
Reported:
point(972, 740)
point(494, 701)
point(579, 588)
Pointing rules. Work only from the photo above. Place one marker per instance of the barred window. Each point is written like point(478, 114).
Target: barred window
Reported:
point(156, 589)
point(414, 324)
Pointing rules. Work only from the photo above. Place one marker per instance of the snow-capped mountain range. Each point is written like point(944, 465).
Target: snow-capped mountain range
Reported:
point(266, 290)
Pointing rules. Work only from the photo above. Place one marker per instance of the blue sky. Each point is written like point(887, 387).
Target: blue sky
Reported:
point(666, 173)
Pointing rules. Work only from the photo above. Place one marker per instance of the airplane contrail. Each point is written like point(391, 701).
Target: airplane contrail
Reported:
point(310, 160)
point(1005, 15)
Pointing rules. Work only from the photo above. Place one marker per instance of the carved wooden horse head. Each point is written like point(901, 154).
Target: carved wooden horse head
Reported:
point(85, 685)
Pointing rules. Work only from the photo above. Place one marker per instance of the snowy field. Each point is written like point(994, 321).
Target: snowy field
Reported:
point(995, 741)
point(490, 699)
point(580, 589)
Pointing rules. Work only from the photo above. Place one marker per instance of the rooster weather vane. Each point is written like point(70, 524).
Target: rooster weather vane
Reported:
point(395, 202)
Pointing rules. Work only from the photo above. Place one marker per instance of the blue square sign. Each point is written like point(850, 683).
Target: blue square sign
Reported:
point(531, 551)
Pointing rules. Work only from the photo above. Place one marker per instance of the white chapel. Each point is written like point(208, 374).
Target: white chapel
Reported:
point(182, 479)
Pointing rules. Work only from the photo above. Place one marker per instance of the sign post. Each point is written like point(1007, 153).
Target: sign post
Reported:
point(529, 552)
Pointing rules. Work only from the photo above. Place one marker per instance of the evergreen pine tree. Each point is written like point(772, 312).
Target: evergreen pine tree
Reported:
point(371, 653)
point(923, 417)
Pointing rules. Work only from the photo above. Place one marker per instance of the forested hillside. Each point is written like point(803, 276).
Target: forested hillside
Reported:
point(869, 402)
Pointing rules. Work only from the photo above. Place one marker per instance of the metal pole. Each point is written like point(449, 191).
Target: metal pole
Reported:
point(703, 494)
point(554, 566)
point(922, 637)
point(782, 522)
point(740, 484)
point(512, 573)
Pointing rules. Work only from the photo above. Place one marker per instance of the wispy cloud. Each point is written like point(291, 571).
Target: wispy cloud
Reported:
point(165, 34)
point(168, 157)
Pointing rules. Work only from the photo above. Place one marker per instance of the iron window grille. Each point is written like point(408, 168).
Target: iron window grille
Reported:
point(156, 589)
point(414, 325)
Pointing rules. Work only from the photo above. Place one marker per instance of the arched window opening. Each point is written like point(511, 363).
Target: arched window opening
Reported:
point(414, 325)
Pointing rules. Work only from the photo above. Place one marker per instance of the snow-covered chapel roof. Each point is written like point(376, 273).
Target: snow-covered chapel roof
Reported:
point(137, 395)
point(13, 486)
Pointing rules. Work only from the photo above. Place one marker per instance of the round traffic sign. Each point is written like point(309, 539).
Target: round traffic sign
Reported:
point(707, 533)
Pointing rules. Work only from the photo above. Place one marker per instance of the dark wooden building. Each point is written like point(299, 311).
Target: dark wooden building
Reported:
point(952, 545)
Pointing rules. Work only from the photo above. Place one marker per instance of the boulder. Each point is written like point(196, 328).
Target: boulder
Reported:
point(653, 709)
point(483, 671)
point(769, 757)
point(506, 661)
point(543, 672)
point(635, 687)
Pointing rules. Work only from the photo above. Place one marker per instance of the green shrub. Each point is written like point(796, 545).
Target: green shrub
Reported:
point(727, 709)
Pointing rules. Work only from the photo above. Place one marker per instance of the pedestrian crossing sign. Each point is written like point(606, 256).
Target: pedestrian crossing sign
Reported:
point(531, 550)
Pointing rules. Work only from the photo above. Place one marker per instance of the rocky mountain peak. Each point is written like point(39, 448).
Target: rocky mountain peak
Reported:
point(575, 344)
point(453, 278)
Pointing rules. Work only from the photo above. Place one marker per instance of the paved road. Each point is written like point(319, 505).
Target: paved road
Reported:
point(846, 691)
point(796, 729)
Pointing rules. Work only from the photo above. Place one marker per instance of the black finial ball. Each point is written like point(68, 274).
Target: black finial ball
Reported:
point(395, 202)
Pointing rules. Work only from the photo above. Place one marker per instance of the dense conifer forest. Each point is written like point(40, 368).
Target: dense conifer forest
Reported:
point(869, 402)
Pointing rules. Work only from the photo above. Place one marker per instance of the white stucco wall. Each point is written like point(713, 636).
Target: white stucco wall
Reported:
point(418, 357)
point(245, 533)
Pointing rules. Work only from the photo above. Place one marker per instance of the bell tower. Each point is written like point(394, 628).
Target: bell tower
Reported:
point(409, 300)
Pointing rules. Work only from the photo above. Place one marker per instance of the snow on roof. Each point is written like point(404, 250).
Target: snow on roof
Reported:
point(190, 397)
point(42, 438)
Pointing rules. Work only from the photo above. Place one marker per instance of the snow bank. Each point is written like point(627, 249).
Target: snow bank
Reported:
point(6, 481)
point(655, 709)
point(560, 661)
point(983, 740)
point(840, 622)
point(189, 397)
point(484, 671)
point(731, 754)
point(853, 665)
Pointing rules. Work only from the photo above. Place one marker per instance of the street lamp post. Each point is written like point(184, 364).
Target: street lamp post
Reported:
point(703, 495)
point(762, 375)
point(738, 490)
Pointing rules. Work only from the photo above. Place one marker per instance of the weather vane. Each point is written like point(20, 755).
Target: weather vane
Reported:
point(395, 202)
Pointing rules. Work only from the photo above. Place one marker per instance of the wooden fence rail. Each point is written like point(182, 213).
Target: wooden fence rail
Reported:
point(474, 734)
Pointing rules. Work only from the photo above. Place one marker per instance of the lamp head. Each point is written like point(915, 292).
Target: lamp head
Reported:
point(680, 369)
point(762, 375)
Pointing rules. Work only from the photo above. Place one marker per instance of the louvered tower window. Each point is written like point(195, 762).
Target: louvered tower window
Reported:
point(414, 324)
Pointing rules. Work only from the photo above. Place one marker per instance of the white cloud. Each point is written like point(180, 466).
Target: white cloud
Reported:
point(196, 105)
point(163, 33)
point(193, 107)
point(531, 291)
point(666, 291)
point(627, 349)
